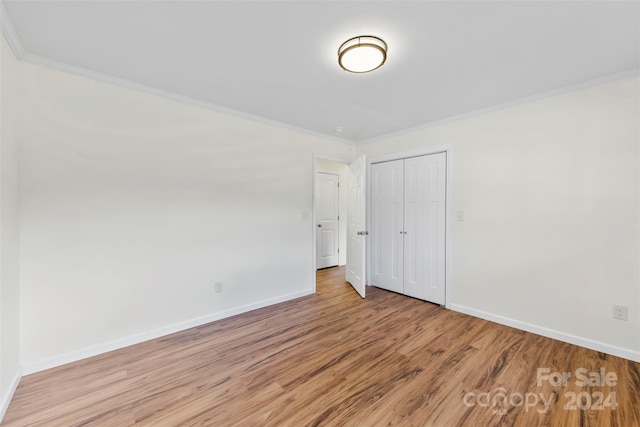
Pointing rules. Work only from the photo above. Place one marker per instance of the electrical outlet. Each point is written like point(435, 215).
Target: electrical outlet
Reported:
point(219, 287)
point(620, 312)
point(460, 215)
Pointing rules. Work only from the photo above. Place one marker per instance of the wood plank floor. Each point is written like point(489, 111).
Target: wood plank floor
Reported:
point(334, 359)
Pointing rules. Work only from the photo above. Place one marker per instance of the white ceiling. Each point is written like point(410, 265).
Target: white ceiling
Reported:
point(278, 59)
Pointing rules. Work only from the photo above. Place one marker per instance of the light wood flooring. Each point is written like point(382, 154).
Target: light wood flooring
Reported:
point(333, 359)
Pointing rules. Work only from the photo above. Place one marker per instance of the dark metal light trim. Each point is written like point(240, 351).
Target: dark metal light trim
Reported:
point(363, 41)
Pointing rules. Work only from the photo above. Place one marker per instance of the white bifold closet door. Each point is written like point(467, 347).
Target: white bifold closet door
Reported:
point(408, 226)
point(387, 225)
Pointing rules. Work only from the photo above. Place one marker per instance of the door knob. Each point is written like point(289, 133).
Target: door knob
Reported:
point(319, 225)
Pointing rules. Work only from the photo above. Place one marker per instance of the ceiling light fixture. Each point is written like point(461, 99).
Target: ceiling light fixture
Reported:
point(362, 54)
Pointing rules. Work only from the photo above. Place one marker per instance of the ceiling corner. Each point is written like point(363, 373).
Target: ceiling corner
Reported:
point(10, 34)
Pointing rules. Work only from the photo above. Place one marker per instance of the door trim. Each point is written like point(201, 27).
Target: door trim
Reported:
point(443, 148)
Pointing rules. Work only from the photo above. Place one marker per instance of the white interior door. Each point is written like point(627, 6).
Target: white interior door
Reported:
point(387, 242)
point(356, 229)
point(327, 217)
point(424, 224)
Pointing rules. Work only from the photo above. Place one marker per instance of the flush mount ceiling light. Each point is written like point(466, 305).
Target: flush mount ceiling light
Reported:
point(362, 54)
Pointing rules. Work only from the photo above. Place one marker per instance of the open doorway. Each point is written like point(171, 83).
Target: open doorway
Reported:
point(330, 212)
point(352, 212)
point(328, 274)
point(327, 210)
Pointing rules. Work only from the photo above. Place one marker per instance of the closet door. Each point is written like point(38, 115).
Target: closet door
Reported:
point(387, 182)
point(424, 224)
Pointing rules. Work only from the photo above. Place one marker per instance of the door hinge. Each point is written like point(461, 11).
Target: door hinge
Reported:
point(338, 217)
point(338, 250)
point(338, 185)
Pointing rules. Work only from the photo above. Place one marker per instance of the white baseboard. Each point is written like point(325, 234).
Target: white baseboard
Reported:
point(156, 333)
point(550, 333)
point(6, 400)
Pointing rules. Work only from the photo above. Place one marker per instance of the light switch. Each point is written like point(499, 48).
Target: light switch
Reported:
point(460, 215)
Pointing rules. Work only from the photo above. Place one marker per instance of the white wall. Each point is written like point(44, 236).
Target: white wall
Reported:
point(342, 170)
point(9, 283)
point(550, 194)
point(133, 205)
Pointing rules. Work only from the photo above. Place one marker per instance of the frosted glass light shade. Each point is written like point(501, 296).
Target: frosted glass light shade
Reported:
point(362, 54)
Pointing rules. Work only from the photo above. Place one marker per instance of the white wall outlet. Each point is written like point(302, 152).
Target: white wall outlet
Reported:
point(219, 287)
point(460, 215)
point(620, 312)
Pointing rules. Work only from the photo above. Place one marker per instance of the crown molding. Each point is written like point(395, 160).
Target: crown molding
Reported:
point(94, 75)
point(504, 105)
point(17, 47)
point(10, 34)
point(18, 50)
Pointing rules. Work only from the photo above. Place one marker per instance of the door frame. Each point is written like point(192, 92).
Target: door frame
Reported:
point(314, 205)
point(443, 148)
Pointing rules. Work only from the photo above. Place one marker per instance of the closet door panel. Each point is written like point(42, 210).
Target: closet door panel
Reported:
point(387, 181)
point(424, 223)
